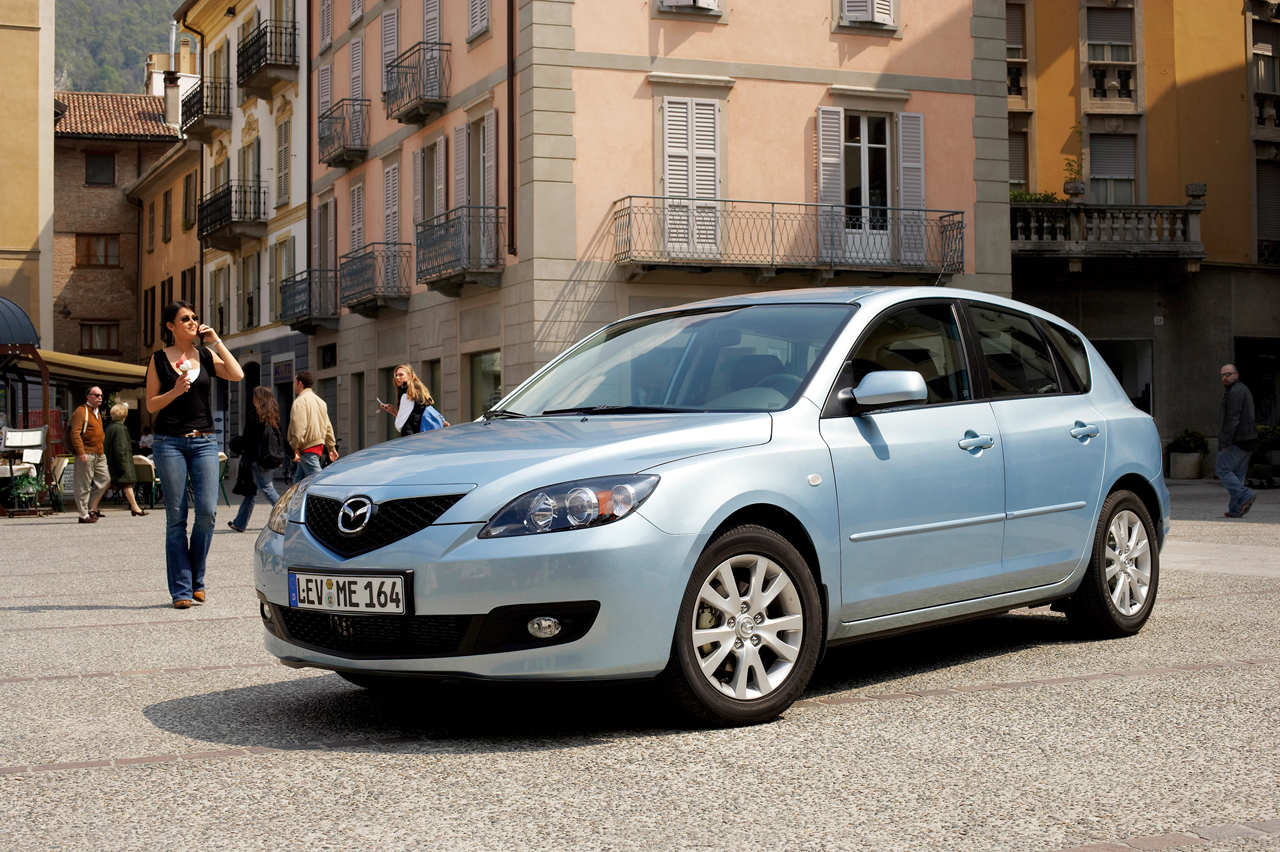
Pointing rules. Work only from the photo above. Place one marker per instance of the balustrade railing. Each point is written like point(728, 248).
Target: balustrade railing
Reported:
point(375, 270)
point(1266, 110)
point(343, 130)
point(235, 201)
point(209, 99)
point(464, 239)
point(272, 43)
point(309, 294)
point(417, 77)
point(1105, 228)
point(722, 232)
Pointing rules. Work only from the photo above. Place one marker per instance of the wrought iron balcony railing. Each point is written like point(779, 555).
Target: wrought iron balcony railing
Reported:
point(461, 240)
point(418, 82)
point(231, 203)
point(309, 298)
point(705, 232)
point(207, 100)
point(376, 271)
point(343, 132)
point(274, 44)
point(1084, 230)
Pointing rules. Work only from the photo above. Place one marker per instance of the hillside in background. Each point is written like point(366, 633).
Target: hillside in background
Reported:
point(102, 45)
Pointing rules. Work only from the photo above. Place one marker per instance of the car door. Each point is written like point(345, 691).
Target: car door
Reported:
point(920, 488)
point(1054, 443)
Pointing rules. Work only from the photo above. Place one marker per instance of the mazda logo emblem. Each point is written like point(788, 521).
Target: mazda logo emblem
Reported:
point(355, 515)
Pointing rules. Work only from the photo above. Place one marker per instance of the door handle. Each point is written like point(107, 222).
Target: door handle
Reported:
point(1085, 430)
point(976, 442)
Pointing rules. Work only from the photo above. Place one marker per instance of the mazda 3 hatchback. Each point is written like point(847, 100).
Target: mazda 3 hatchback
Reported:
point(712, 494)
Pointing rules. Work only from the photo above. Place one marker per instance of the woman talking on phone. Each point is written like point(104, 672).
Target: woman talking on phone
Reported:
point(412, 400)
point(179, 379)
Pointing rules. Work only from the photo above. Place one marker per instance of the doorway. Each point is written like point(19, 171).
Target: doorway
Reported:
point(1131, 363)
point(1258, 360)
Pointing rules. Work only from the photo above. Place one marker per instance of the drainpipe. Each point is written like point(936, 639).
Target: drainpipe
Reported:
point(512, 23)
point(310, 209)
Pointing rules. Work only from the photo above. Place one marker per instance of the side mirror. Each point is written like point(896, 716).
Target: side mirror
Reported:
point(883, 389)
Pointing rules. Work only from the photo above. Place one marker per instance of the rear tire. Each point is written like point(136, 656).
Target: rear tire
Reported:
point(748, 631)
point(1118, 591)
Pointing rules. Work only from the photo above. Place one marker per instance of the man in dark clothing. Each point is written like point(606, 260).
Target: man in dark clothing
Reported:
point(1236, 442)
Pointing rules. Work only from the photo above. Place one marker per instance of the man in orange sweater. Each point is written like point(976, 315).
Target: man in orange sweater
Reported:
point(92, 477)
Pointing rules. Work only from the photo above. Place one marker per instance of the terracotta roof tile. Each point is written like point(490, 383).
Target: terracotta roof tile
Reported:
point(107, 114)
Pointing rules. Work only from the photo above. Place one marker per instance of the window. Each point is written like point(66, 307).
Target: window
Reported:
point(250, 269)
point(1018, 359)
point(1112, 169)
point(166, 291)
point(431, 378)
point(357, 10)
point(149, 317)
point(166, 223)
point(151, 226)
point(358, 424)
point(188, 286)
point(1015, 31)
point(100, 338)
point(357, 217)
point(188, 201)
point(1110, 35)
point(1266, 53)
point(924, 339)
point(477, 17)
point(689, 5)
point(328, 355)
point(486, 381)
point(356, 92)
point(866, 12)
point(1017, 161)
point(97, 250)
point(326, 23)
point(100, 169)
point(866, 167)
point(391, 211)
point(691, 174)
point(1131, 363)
point(1074, 357)
point(282, 162)
point(1268, 211)
point(390, 44)
point(279, 270)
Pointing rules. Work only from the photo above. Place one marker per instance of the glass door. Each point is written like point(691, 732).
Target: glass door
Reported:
point(866, 189)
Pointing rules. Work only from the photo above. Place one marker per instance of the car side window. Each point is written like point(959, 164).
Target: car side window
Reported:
point(1073, 355)
point(1017, 357)
point(922, 338)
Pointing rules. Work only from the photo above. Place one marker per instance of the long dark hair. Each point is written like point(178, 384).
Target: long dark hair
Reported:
point(264, 403)
point(170, 314)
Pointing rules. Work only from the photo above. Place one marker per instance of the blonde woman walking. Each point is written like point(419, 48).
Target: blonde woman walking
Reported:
point(413, 399)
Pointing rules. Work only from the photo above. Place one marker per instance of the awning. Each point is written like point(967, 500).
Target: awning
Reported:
point(80, 368)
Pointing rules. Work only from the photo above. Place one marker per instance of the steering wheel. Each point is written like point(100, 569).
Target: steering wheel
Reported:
point(784, 383)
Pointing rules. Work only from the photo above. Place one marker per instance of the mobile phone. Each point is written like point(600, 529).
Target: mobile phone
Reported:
point(380, 402)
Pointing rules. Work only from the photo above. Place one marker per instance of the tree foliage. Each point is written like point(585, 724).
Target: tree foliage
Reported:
point(102, 45)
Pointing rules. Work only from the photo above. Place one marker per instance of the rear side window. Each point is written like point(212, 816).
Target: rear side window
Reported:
point(1074, 356)
point(1017, 357)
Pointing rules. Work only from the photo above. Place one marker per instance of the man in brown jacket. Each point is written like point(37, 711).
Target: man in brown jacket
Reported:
point(92, 477)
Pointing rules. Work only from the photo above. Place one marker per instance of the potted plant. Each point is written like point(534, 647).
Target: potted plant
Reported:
point(1186, 452)
point(25, 490)
point(1262, 467)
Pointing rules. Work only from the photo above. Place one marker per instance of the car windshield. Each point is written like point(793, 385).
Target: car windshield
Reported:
point(752, 358)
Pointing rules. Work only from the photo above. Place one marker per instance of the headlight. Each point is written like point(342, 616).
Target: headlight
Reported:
point(570, 506)
point(292, 498)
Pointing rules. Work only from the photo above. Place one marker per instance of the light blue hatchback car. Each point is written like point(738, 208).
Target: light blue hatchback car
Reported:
point(713, 494)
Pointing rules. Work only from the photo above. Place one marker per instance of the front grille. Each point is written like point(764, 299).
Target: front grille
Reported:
point(376, 635)
point(393, 520)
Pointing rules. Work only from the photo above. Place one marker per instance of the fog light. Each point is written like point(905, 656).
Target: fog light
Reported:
point(264, 611)
point(544, 627)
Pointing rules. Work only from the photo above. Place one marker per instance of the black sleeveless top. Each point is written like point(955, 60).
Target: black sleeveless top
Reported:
point(414, 423)
point(190, 412)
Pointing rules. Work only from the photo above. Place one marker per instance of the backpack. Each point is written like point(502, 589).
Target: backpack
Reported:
point(431, 419)
point(270, 448)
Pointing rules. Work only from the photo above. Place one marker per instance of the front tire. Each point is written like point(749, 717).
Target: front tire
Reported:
point(1118, 591)
point(748, 632)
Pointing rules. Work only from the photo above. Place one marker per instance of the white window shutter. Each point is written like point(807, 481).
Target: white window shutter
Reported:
point(240, 318)
point(912, 239)
point(273, 283)
point(830, 155)
point(390, 42)
point(677, 172)
point(706, 174)
point(868, 11)
point(315, 236)
point(431, 21)
point(491, 158)
point(282, 162)
point(441, 199)
point(357, 9)
point(288, 257)
point(477, 17)
point(357, 217)
point(356, 49)
point(324, 89)
point(417, 185)
point(882, 11)
point(331, 260)
point(326, 22)
point(391, 204)
point(461, 153)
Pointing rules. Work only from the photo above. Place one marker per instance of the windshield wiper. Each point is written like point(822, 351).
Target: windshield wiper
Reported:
point(496, 413)
point(616, 409)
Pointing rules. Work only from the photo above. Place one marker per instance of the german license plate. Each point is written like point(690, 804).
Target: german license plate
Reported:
point(347, 593)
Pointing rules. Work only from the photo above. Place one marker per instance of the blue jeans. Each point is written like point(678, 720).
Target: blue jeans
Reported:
point(177, 460)
point(308, 463)
point(1232, 466)
point(262, 479)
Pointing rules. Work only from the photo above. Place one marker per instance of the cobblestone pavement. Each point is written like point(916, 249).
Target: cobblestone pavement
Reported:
point(130, 725)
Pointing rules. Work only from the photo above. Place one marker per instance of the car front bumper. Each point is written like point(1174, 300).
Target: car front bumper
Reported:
point(635, 572)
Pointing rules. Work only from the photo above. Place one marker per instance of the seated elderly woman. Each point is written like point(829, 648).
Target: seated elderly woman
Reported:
point(119, 454)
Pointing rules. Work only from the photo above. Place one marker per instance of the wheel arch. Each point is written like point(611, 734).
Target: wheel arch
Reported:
point(1145, 492)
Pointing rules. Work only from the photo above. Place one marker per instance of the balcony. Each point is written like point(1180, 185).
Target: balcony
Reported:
point(206, 108)
point(267, 56)
point(375, 277)
point(233, 214)
point(1112, 84)
point(309, 300)
point(462, 246)
point(703, 234)
point(418, 83)
point(343, 133)
point(1266, 116)
point(1075, 232)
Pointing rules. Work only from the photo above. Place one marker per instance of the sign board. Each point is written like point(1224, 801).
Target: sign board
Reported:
point(282, 372)
point(220, 429)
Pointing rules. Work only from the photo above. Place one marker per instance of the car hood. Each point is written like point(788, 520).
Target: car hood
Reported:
point(503, 459)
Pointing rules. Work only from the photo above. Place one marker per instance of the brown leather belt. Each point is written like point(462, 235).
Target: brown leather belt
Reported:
point(198, 435)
